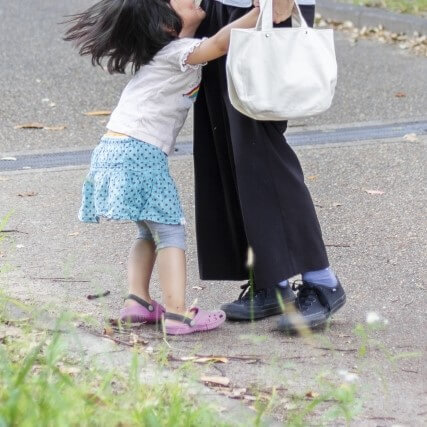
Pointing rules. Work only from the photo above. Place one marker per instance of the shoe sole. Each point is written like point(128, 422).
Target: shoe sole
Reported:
point(316, 324)
point(258, 315)
point(334, 309)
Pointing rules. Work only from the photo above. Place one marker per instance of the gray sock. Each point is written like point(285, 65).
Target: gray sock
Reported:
point(284, 283)
point(324, 277)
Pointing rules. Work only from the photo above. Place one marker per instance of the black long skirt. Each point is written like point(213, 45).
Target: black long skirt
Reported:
point(249, 185)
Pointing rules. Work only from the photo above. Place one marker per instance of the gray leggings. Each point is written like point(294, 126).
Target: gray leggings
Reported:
point(163, 235)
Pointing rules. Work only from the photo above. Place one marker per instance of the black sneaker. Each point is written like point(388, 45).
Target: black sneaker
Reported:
point(314, 305)
point(264, 303)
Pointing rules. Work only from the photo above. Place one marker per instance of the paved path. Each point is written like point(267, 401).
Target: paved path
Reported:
point(376, 242)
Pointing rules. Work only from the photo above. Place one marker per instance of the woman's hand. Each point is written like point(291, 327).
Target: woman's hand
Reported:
point(282, 9)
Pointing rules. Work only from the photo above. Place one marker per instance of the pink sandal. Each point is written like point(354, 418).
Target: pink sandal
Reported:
point(142, 313)
point(202, 321)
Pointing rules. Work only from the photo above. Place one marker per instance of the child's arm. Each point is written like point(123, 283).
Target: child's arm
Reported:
point(217, 45)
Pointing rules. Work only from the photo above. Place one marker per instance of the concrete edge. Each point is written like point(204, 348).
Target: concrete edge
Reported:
point(363, 16)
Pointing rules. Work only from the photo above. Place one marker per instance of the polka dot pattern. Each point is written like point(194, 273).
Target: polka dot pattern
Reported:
point(130, 180)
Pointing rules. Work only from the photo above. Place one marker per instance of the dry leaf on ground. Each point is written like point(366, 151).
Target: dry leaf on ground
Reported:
point(61, 127)
point(411, 137)
point(28, 194)
point(312, 177)
point(311, 394)
point(96, 296)
point(416, 43)
point(108, 330)
point(400, 94)
point(134, 339)
point(375, 192)
point(34, 125)
point(98, 113)
point(39, 126)
point(70, 370)
point(223, 381)
point(209, 359)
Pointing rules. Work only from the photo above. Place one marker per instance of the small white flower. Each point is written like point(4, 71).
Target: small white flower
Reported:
point(251, 257)
point(349, 377)
point(372, 317)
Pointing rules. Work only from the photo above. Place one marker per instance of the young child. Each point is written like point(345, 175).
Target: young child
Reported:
point(129, 177)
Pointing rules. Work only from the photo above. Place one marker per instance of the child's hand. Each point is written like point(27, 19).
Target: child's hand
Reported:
point(282, 9)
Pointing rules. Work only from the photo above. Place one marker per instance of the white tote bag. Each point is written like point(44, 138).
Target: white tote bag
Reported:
point(281, 73)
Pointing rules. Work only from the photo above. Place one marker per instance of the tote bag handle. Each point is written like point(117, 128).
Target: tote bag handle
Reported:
point(265, 18)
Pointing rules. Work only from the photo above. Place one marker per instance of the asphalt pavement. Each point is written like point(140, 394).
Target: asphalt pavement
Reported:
point(369, 195)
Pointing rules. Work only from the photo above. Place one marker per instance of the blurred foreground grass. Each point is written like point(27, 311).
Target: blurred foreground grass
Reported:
point(41, 386)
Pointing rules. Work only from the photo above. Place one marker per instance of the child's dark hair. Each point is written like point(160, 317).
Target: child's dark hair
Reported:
point(125, 31)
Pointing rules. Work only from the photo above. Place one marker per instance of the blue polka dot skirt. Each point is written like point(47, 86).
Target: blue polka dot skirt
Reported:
point(130, 180)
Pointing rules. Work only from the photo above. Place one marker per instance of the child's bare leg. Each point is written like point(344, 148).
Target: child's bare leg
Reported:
point(173, 278)
point(141, 261)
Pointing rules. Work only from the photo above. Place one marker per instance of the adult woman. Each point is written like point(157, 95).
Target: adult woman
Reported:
point(250, 192)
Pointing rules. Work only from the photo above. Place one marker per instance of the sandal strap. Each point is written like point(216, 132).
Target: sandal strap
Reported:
point(178, 317)
point(140, 301)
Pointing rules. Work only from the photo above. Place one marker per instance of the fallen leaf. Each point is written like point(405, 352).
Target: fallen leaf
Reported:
point(312, 177)
point(411, 137)
point(96, 296)
point(134, 339)
point(376, 192)
point(10, 159)
point(238, 392)
point(108, 330)
point(61, 127)
point(28, 194)
point(30, 126)
point(207, 359)
point(400, 94)
point(212, 359)
point(311, 394)
point(75, 233)
point(40, 126)
point(70, 370)
point(98, 113)
point(224, 381)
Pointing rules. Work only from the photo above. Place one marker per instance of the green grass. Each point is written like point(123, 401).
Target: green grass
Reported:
point(40, 386)
point(414, 7)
